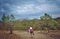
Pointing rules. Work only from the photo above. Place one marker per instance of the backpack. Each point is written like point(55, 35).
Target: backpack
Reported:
point(31, 30)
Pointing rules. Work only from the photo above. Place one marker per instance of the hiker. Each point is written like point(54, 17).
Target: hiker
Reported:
point(31, 31)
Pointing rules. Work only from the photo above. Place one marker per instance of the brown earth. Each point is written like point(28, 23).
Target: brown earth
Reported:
point(26, 35)
point(5, 35)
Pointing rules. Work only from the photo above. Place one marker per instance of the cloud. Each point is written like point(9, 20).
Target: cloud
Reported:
point(25, 9)
point(58, 0)
point(2, 10)
point(31, 8)
point(35, 9)
point(55, 15)
point(42, 1)
point(32, 11)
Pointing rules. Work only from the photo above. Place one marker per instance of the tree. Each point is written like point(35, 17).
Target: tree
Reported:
point(11, 20)
point(45, 20)
point(4, 20)
point(46, 17)
point(8, 20)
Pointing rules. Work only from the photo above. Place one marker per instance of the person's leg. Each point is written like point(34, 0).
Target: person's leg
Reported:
point(30, 34)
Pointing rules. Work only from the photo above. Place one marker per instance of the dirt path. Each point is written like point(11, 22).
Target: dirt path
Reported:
point(25, 35)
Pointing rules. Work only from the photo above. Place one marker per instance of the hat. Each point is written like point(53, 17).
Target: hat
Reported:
point(30, 27)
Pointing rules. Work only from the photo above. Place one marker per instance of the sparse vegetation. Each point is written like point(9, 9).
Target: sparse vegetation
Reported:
point(44, 24)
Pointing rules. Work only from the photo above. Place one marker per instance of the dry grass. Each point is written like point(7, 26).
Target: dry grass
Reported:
point(55, 34)
point(4, 35)
point(25, 35)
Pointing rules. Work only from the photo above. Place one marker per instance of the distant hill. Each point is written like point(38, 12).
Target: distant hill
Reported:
point(58, 18)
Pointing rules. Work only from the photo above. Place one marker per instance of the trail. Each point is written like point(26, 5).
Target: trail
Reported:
point(25, 35)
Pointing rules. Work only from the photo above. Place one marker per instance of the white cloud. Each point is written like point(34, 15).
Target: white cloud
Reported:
point(49, 7)
point(7, 4)
point(41, 1)
point(35, 9)
point(44, 1)
point(2, 10)
point(58, 0)
point(55, 15)
point(24, 9)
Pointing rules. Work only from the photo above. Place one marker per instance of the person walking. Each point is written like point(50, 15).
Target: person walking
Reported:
point(31, 31)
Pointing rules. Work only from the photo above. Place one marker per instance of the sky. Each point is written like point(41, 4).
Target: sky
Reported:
point(30, 9)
